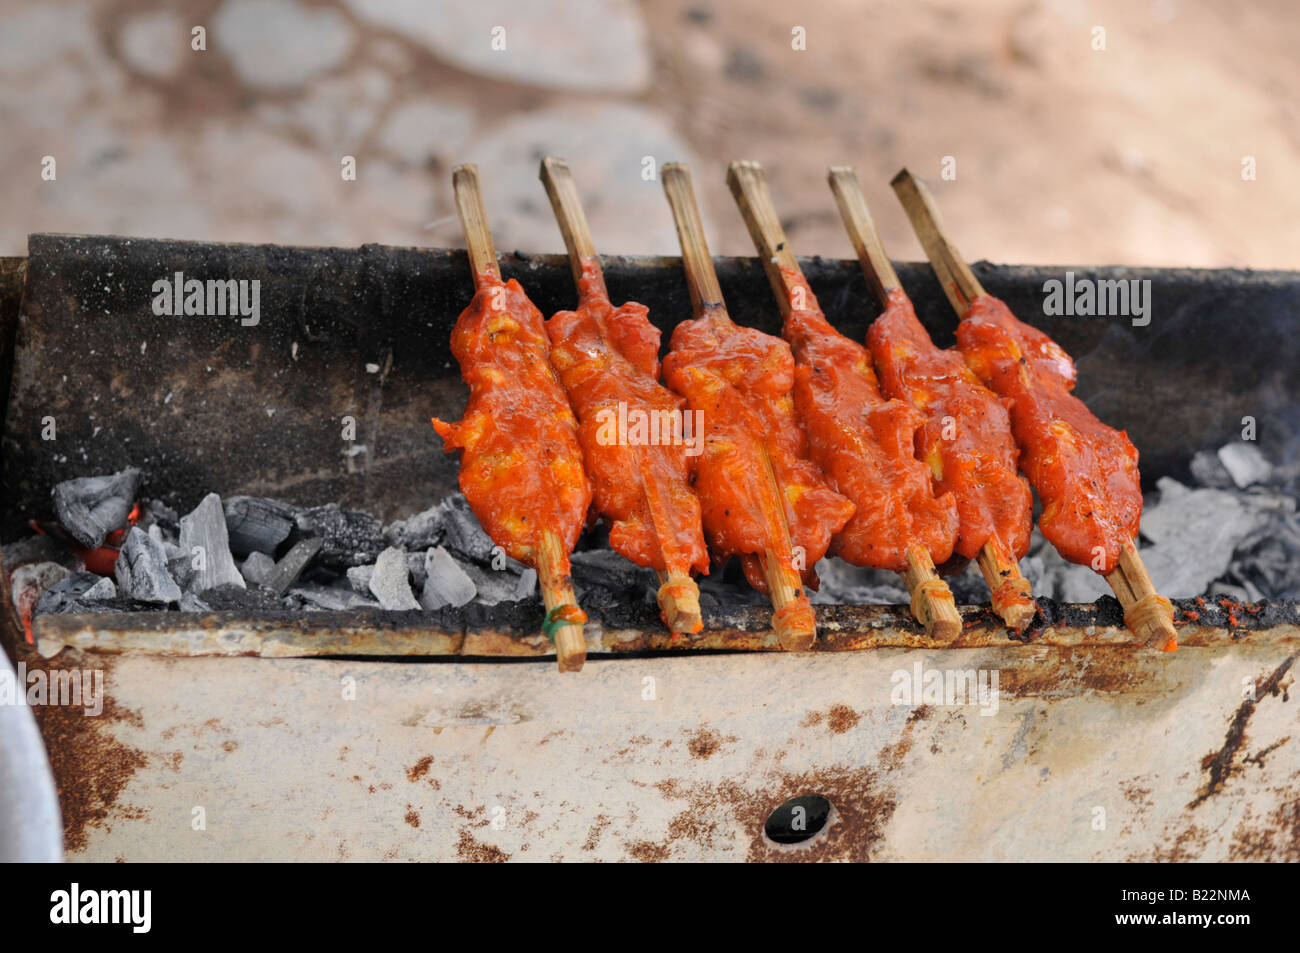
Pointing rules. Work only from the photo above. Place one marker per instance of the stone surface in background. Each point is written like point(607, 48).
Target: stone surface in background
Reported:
point(280, 44)
point(605, 146)
point(155, 43)
point(596, 46)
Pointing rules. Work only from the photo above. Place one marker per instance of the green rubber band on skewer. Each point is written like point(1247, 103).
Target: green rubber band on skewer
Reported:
point(552, 623)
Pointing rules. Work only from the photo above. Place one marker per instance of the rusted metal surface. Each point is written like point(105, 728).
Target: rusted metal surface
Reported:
point(1094, 754)
point(204, 404)
point(514, 633)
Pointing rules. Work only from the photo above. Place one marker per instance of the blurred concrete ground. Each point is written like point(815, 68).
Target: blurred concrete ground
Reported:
point(1064, 154)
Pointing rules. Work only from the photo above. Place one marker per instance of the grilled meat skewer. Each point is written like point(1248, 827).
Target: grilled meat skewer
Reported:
point(862, 441)
point(608, 362)
point(764, 500)
point(1085, 472)
point(966, 438)
point(521, 465)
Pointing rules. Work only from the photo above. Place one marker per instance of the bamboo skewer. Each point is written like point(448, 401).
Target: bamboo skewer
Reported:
point(1146, 612)
point(473, 221)
point(679, 594)
point(1012, 596)
point(932, 602)
point(564, 618)
point(793, 618)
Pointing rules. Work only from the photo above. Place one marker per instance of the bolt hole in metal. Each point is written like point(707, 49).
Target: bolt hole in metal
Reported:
point(798, 819)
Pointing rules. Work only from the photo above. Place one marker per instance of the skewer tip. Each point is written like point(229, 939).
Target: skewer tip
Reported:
point(903, 175)
point(932, 602)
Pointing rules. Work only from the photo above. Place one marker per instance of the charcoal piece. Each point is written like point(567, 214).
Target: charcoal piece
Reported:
point(233, 598)
point(492, 586)
point(39, 549)
point(288, 569)
point(446, 583)
point(159, 520)
point(1245, 463)
point(257, 568)
point(1208, 470)
point(606, 571)
point(390, 582)
point(141, 570)
point(350, 537)
point(415, 565)
point(78, 593)
point(205, 540)
point(526, 585)
point(418, 532)
point(192, 603)
point(257, 525)
point(44, 587)
point(168, 539)
point(359, 579)
point(181, 568)
point(90, 508)
point(451, 524)
point(323, 597)
point(968, 588)
point(330, 598)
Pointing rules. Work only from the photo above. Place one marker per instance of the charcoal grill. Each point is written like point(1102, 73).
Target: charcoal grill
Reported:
point(334, 735)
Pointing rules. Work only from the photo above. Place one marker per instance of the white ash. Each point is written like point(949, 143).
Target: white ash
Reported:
point(141, 570)
point(203, 537)
point(1236, 534)
point(391, 583)
point(446, 583)
point(1245, 463)
point(257, 568)
point(359, 578)
point(842, 583)
point(92, 507)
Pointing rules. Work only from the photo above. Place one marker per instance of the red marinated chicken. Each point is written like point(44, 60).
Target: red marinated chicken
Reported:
point(521, 469)
point(608, 362)
point(1085, 472)
point(966, 436)
point(741, 380)
point(864, 443)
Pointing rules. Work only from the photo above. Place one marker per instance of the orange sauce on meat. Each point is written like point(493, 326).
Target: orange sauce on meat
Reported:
point(1085, 472)
point(864, 443)
point(754, 476)
point(607, 357)
point(966, 436)
point(521, 467)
